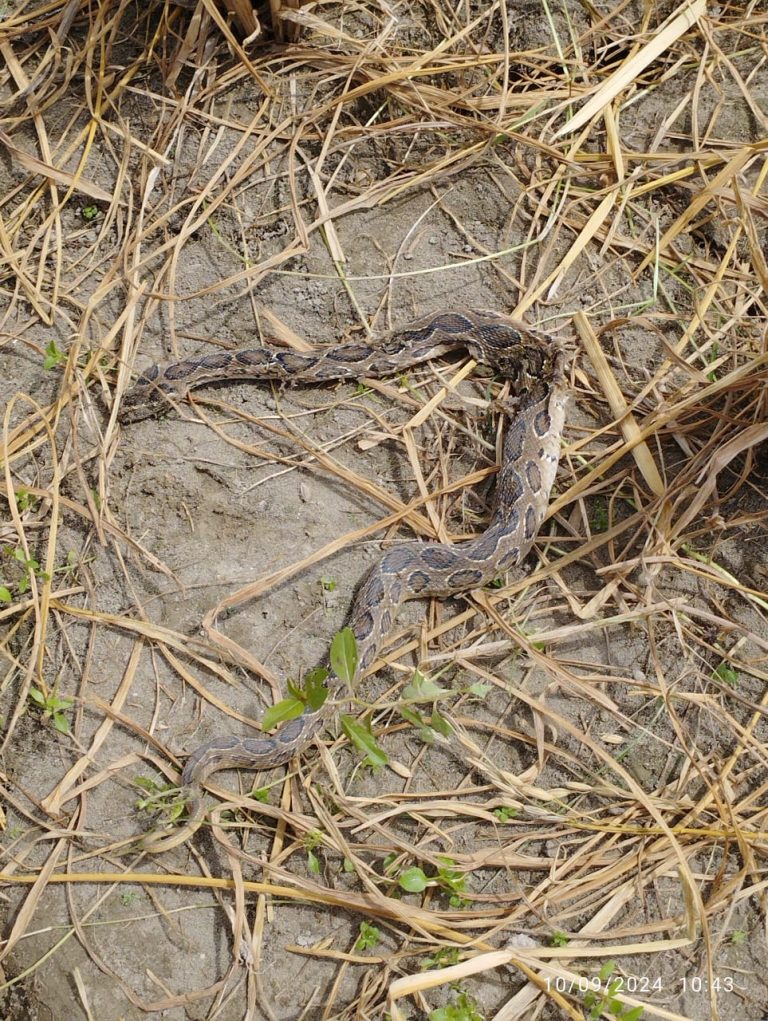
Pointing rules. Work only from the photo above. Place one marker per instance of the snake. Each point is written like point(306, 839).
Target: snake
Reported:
point(534, 366)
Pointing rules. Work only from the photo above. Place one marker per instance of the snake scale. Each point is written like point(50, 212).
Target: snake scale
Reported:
point(534, 367)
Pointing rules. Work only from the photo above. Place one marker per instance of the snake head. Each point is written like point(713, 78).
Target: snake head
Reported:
point(147, 398)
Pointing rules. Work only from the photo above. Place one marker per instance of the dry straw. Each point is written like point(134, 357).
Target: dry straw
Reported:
point(602, 171)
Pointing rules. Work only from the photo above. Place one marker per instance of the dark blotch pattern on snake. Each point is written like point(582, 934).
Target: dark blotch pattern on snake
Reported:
point(534, 367)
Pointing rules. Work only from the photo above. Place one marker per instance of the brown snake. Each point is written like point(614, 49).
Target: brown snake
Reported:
point(534, 367)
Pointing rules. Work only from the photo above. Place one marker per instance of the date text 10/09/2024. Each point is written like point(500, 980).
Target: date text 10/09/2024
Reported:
point(639, 984)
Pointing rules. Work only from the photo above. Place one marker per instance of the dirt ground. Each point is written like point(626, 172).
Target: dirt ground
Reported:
point(601, 651)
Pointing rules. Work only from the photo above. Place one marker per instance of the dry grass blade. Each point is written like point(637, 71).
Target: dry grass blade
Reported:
point(35, 166)
point(619, 407)
point(635, 65)
point(567, 816)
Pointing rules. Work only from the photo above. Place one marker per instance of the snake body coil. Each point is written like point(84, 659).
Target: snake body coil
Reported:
point(534, 367)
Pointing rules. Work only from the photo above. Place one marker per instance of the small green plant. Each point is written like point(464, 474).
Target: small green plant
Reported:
point(160, 797)
point(53, 356)
point(598, 517)
point(738, 937)
point(70, 566)
point(452, 880)
point(362, 737)
point(463, 1008)
point(601, 1002)
point(312, 840)
point(425, 689)
point(369, 937)
point(329, 584)
point(314, 693)
point(436, 724)
point(504, 813)
point(29, 567)
point(726, 674)
point(89, 213)
point(414, 880)
point(53, 707)
point(560, 939)
point(24, 499)
point(127, 898)
point(445, 957)
point(388, 864)
point(448, 878)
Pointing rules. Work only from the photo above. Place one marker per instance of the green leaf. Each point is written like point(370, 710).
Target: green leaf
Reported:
point(413, 880)
point(369, 936)
point(53, 356)
point(313, 863)
point(294, 690)
point(314, 687)
point(440, 724)
point(23, 499)
point(422, 689)
point(450, 877)
point(285, 709)
point(344, 655)
point(412, 717)
point(61, 723)
point(479, 689)
point(5, 595)
point(599, 516)
point(463, 1008)
point(727, 674)
point(364, 741)
point(632, 1015)
point(37, 696)
point(445, 957)
point(314, 838)
point(176, 810)
point(388, 864)
point(416, 720)
point(504, 813)
point(146, 783)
